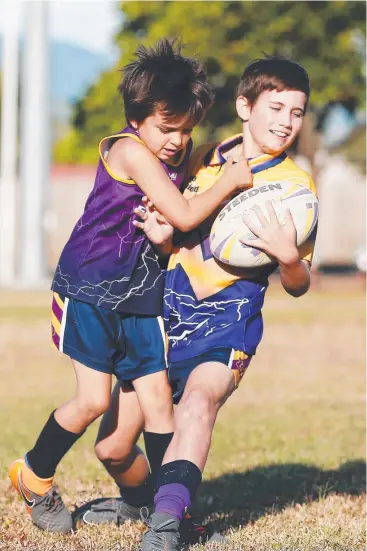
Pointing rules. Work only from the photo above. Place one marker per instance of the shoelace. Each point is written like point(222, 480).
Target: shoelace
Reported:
point(53, 501)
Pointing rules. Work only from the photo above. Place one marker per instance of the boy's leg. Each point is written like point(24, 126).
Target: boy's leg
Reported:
point(118, 433)
point(116, 448)
point(207, 388)
point(33, 476)
point(144, 364)
point(155, 398)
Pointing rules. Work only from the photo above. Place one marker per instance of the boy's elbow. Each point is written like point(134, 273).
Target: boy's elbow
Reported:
point(297, 292)
point(184, 225)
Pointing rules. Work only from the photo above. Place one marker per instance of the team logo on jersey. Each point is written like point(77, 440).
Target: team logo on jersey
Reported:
point(173, 175)
point(192, 187)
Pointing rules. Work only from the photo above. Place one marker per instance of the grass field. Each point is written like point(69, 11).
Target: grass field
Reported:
point(287, 466)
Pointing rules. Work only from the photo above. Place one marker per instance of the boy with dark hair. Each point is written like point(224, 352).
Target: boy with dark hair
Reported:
point(108, 285)
point(212, 311)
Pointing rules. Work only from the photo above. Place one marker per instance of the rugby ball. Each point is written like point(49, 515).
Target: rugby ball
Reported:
point(229, 226)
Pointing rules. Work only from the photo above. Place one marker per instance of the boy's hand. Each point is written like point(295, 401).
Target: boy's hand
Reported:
point(276, 240)
point(239, 174)
point(153, 224)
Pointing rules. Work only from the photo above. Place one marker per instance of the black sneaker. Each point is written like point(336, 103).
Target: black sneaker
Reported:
point(112, 511)
point(162, 534)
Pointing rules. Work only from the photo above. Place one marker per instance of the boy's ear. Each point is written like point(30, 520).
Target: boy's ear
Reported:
point(134, 125)
point(243, 108)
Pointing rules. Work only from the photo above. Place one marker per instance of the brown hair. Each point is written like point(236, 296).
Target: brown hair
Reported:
point(272, 73)
point(161, 78)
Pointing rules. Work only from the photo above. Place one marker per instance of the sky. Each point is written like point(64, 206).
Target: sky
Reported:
point(88, 23)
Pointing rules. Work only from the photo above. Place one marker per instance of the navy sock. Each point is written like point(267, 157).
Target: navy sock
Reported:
point(52, 444)
point(138, 496)
point(180, 472)
point(156, 446)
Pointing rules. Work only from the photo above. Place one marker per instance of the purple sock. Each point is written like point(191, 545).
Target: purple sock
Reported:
point(173, 499)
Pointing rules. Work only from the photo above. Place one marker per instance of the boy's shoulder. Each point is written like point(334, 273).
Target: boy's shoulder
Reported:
point(129, 145)
point(126, 152)
point(289, 170)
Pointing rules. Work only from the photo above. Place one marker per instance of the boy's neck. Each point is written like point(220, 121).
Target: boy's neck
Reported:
point(236, 152)
point(252, 149)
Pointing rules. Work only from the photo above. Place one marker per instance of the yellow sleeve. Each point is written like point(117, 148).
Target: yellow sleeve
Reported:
point(306, 250)
point(196, 159)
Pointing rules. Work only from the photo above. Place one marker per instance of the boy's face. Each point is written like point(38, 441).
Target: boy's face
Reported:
point(274, 121)
point(164, 139)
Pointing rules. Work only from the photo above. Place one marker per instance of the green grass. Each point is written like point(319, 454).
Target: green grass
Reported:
point(286, 469)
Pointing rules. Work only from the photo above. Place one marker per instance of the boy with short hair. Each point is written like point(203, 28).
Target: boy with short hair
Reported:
point(108, 285)
point(212, 311)
point(209, 354)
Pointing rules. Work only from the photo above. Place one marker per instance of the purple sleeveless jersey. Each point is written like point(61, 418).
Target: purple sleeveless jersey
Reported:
point(107, 260)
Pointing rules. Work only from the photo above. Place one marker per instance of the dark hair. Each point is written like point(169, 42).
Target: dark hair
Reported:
point(272, 73)
point(161, 78)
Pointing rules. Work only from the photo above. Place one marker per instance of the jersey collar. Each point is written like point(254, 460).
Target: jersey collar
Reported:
point(257, 164)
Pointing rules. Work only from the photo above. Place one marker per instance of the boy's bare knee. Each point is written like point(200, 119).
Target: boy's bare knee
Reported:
point(158, 406)
point(108, 451)
point(197, 406)
point(93, 406)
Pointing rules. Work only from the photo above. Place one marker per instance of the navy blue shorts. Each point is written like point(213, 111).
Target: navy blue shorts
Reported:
point(178, 372)
point(124, 345)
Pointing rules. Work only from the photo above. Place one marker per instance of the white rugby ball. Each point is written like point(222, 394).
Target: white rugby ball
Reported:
point(229, 225)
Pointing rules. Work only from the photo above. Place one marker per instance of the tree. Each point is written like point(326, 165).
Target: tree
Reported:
point(325, 37)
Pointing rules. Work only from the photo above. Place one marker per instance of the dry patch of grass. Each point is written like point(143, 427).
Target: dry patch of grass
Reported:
point(287, 467)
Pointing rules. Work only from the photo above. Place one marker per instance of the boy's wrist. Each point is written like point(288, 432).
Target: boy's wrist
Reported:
point(228, 182)
point(290, 260)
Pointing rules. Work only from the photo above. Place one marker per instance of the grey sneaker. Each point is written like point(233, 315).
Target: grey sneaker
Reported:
point(48, 511)
point(162, 534)
point(112, 511)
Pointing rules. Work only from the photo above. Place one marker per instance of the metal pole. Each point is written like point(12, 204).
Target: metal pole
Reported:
point(8, 149)
point(35, 149)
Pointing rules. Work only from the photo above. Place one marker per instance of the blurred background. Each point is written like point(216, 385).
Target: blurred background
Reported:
point(60, 66)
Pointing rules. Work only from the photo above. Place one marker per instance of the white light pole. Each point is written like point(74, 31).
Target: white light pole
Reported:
point(8, 149)
point(35, 143)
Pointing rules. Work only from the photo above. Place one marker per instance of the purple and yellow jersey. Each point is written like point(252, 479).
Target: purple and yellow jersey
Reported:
point(208, 304)
point(107, 260)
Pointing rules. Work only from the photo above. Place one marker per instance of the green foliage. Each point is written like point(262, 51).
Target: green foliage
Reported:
point(326, 37)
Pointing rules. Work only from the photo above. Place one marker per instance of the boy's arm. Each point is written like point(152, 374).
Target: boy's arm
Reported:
point(165, 249)
point(133, 158)
point(280, 242)
point(295, 276)
point(155, 226)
